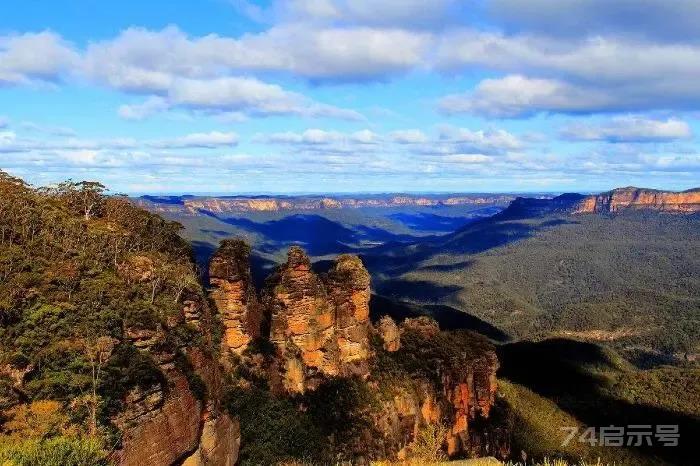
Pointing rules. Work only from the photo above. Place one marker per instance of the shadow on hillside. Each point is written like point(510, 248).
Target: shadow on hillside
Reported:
point(416, 290)
point(203, 251)
point(440, 223)
point(396, 259)
point(447, 267)
point(559, 370)
point(447, 317)
point(316, 234)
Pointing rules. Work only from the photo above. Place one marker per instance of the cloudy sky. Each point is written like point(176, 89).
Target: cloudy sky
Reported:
point(237, 96)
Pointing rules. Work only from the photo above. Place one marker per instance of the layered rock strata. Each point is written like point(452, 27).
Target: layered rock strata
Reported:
point(636, 198)
point(169, 423)
point(234, 295)
point(319, 325)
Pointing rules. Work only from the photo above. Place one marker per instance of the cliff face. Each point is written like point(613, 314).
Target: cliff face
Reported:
point(234, 295)
point(418, 375)
point(453, 390)
point(170, 422)
point(318, 324)
point(636, 198)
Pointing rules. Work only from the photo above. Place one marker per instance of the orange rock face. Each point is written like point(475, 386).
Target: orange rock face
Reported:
point(348, 285)
point(389, 332)
point(234, 295)
point(635, 198)
point(451, 392)
point(165, 435)
point(302, 319)
point(319, 325)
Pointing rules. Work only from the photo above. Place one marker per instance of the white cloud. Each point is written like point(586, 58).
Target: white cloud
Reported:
point(199, 140)
point(141, 60)
point(519, 96)
point(630, 129)
point(468, 158)
point(487, 141)
point(409, 136)
point(406, 14)
point(234, 96)
point(4, 122)
point(596, 74)
point(142, 110)
point(34, 57)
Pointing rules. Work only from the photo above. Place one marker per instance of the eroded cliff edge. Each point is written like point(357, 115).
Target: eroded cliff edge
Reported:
point(316, 352)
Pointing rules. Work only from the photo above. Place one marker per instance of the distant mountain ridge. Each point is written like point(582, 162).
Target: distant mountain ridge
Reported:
point(616, 200)
point(640, 198)
point(239, 204)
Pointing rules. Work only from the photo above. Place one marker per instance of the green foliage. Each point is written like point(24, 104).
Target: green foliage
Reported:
point(77, 267)
point(274, 430)
point(321, 426)
point(58, 451)
point(631, 280)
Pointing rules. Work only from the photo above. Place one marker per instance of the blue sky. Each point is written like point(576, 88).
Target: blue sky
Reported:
point(236, 96)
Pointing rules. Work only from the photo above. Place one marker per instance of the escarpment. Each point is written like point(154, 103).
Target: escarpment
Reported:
point(178, 418)
point(638, 198)
point(449, 380)
point(416, 377)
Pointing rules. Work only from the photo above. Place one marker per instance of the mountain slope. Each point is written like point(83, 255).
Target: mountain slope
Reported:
point(631, 279)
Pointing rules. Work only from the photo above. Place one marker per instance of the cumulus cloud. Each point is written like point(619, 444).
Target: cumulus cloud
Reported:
point(142, 60)
point(142, 110)
point(35, 57)
point(658, 19)
point(630, 129)
point(233, 96)
point(407, 14)
point(597, 74)
point(4, 122)
point(519, 96)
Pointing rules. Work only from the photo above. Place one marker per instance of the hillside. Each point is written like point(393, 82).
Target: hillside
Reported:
point(629, 279)
point(107, 344)
point(112, 351)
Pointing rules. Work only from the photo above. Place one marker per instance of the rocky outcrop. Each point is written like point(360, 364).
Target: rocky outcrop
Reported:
point(348, 284)
point(218, 445)
point(319, 325)
point(234, 295)
point(169, 422)
point(303, 321)
point(389, 332)
point(638, 198)
point(162, 436)
point(453, 384)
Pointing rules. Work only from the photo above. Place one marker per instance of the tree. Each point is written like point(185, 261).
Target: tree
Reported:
point(87, 197)
point(97, 350)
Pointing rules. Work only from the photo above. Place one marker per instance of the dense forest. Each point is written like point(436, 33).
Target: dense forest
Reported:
point(630, 280)
point(78, 271)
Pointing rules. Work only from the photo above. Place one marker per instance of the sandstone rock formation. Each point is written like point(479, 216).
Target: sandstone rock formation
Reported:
point(319, 325)
point(166, 424)
point(389, 332)
point(302, 321)
point(348, 284)
point(233, 293)
point(453, 390)
point(636, 198)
